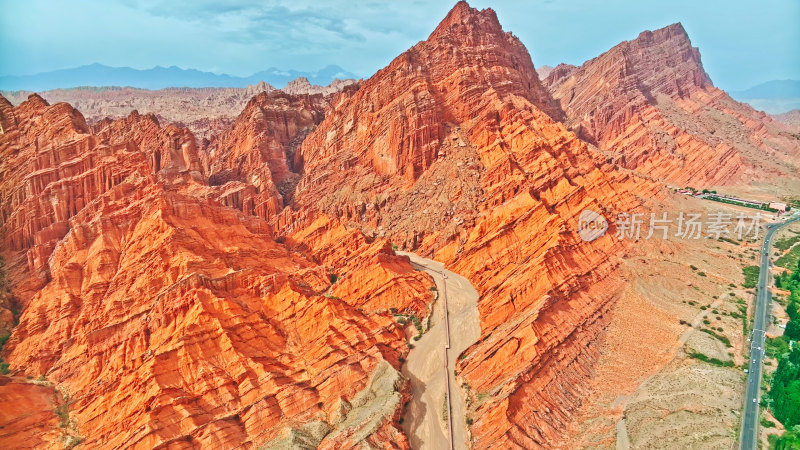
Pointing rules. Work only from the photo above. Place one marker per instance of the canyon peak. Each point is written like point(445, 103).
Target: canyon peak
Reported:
point(650, 103)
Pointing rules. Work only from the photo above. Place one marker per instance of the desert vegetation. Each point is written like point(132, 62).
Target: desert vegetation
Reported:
point(784, 390)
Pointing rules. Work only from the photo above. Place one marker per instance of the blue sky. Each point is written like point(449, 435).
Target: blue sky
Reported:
point(742, 43)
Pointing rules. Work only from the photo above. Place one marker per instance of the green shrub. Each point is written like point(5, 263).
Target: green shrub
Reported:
point(723, 339)
point(785, 389)
point(787, 242)
point(790, 259)
point(789, 440)
point(710, 360)
point(417, 323)
point(750, 276)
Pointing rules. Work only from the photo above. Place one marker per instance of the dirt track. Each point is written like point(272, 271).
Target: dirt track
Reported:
point(426, 417)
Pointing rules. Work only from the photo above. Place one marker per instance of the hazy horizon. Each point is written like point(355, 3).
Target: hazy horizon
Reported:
point(247, 36)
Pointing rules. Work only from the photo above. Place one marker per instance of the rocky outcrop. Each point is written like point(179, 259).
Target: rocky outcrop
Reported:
point(29, 418)
point(651, 106)
point(242, 291)
point(453, 151)
point(167, 317)
point(302, 86)
point(253, 161)
point(205, 111)
point(169, 150)
point(52, 167)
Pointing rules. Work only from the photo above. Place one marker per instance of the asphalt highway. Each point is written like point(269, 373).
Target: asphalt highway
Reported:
point(749, 437)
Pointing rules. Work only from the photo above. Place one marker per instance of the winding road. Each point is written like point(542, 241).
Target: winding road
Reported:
point(749, 437)
point(436, 416)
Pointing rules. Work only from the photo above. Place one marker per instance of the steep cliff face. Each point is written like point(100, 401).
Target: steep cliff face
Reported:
point(29, 415)
point(167, 318)
point(453, 151)
point(401, 136)
point(52, 167)
point(252, 162)
point(650, 104)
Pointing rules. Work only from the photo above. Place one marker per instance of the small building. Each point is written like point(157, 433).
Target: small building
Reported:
point(781, 207)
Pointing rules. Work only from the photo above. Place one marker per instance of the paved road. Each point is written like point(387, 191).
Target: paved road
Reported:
point(749, 438)
point(455, 325)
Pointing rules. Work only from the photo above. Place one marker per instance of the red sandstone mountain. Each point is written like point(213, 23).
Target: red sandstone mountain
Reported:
point(206, 111)
point(162, 315)
point(454, 151)
point(252, 161)
point(181, 294)
point(649, 103)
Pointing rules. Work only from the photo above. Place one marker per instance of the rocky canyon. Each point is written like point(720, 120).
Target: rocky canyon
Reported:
point(225, 268)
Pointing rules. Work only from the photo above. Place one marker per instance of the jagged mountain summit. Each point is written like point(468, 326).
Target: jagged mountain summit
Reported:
point(458, 154)
point(650, 105)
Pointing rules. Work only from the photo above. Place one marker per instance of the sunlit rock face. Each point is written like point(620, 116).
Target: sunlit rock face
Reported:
point(650, 104)
point(165, 316)
point(455, 151)
point(242, 290)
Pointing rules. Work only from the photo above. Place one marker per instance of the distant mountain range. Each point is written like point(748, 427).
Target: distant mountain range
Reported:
point(160, 77)
point(773, 97)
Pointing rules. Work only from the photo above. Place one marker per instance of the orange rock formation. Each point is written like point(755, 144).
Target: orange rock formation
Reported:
point(240, 291)
point(252, 162)
point(170, 319)
point(453, 151)
point(650, 103)
point(28, 416)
